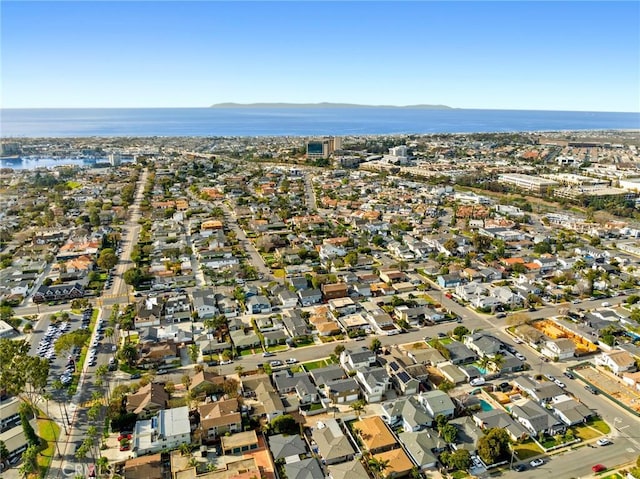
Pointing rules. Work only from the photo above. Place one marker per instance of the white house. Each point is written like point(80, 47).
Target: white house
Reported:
point(618, 361)
point(167, 430)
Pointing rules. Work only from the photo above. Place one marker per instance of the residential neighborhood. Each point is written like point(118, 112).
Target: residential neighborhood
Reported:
point(404, 306)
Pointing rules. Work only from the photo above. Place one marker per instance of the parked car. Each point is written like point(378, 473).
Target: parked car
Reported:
point(477, 382)
point(598, 468)
point(291, 361)
point(267, 354)
point(603, 441)
point(519, 467)
point(520, 357)
point(591, 389)
point(536, 462)
point(275, 363)
point(569, 374)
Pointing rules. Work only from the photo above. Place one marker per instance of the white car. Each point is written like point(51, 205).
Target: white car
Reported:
point(477, 382)
point(520, 357)
point(536, 463)
point(560, 383)
point(603, 442)
point(518, 340)
point(291, 361)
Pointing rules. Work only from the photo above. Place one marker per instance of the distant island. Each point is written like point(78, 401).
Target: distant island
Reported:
point(326, 105)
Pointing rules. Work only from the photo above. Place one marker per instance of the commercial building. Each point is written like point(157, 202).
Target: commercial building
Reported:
point(321, 149)
point(528, 182)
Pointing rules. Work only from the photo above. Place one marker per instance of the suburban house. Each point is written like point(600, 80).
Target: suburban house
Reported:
point(400, 464)
point(304, 469)
point(268, 403)
point(239, 443)
point(342, 391)
point(374, 381)
point(408, 412)
point(258, 305)
point(333, 445)
point(537, 420)
point(561, 348)
point(206, 382)
point(220, 417)
point(152, 355)
point(437, 402)
point(204, 303)
point(422, 447)
point(287, 448)
point(375, 435)
point(295, 325)
point(299, 383)
point(148, 400)
point(498, 418)
point(572, 412)
point(333, 291)
point(167, 430)
point(309, 297)
point(544, 391)
point(357, 359)
point(618, 361)
point(348, 470)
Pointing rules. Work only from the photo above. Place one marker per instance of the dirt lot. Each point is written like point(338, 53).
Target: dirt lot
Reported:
point(612, 385)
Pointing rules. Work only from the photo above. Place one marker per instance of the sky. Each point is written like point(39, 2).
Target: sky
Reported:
point(541, 55)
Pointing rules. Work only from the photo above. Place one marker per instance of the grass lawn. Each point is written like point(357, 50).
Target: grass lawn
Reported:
point(48, 431)
point(613, 476)
point(585, 432)
point(320, 363)
point(459, 474)
point(527, 449)
point(600, 425)
point(277, 348)
point(73, 184)
point(246, 352)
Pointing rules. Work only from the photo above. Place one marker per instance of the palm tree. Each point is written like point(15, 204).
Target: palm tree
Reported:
point(129, 353)
point(498, 362)
point(378, 466)
point(358, 406)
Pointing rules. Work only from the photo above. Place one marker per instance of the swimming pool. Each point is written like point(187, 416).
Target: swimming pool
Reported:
point(485, 405)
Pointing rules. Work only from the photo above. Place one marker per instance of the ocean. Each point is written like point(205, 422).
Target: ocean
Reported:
point(212, 122)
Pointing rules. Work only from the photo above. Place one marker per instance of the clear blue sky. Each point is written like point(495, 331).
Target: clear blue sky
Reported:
point(542, 55)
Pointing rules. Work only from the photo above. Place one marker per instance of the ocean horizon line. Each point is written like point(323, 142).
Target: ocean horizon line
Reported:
point(318, 106)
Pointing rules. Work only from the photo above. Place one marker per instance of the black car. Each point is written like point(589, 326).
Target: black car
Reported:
point(591, 389)
point(569, 374)
point(519, 467)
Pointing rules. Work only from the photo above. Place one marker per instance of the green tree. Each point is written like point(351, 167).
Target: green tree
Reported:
point(358, 406)
point(4, 453)
point(128, 353)
point(448, 433)
point(285, 424)
point(460, 459)
point(67, 341)
point(460, 331)
point(378, 466)
point(375, 345)
point(107, 259)
point(446, 385)
point(29, 461)
point(29, 433)
point(133, 277)
point(194, 352)
point(338, 349)
point(494, 445)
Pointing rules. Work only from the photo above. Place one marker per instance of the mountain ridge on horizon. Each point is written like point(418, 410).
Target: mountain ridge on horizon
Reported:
point(325, 105)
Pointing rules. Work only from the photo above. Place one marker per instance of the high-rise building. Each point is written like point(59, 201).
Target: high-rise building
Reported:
point(321, 149)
